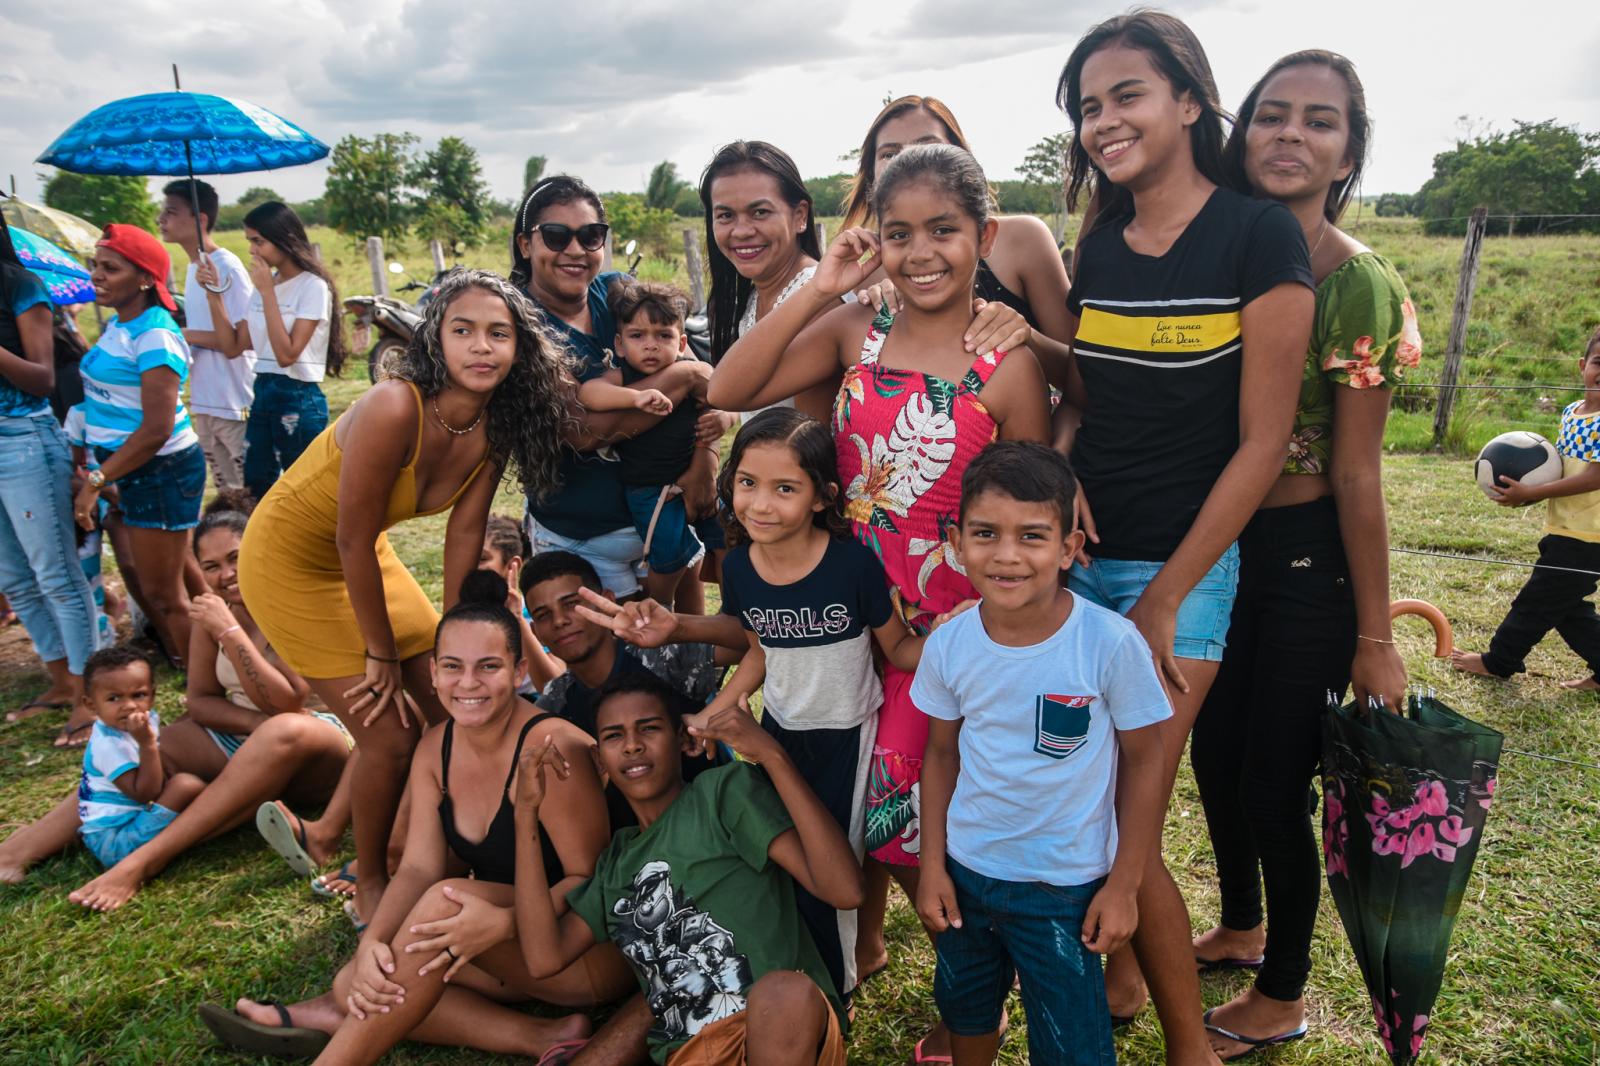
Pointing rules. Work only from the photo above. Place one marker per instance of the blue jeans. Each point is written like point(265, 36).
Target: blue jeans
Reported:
point(676, 542)
point(285, 417)
point(613, 555)
point(165, 493)
point(1031, 929)
point(39, 571)
point(1203, 616)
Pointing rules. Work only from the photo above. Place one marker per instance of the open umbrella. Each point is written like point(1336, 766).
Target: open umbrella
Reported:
point(64, 277)
point(75, 234)
point(1405, 799)
point(181, 133)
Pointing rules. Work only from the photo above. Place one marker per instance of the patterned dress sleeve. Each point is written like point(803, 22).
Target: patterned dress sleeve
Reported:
point(1366, 326)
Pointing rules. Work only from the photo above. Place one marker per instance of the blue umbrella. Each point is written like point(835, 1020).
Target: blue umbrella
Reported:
point(64, 277)
point(181, 133)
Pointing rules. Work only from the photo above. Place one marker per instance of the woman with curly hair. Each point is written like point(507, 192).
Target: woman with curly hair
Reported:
point(483, 385)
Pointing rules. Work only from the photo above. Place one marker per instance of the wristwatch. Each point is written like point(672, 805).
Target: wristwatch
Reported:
point(96, 479)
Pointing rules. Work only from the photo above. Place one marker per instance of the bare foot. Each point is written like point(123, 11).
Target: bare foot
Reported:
point(366, 898)
point(1125, 1002)
point(1471, 662)
point(1255, 1016)
point(572, 1027)
point(870, 963)
point(322, 1013)
point(12, 873)
point(1220, 945)
point(110, 890)
point(1587, 684)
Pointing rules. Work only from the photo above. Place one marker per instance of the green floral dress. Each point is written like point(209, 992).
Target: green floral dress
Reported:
point(1364, 337)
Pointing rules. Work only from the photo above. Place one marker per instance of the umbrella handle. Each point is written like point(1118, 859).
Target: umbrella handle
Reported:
point(227, 282)
point(1443, 636)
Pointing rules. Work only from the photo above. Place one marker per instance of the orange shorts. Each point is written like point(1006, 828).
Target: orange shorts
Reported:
point(722, 1043)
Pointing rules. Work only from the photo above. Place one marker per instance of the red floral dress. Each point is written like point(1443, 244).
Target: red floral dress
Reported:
point(904, 439)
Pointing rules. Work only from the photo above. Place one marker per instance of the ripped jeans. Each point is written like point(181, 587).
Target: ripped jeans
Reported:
point(1033, 930)
point(285, 416)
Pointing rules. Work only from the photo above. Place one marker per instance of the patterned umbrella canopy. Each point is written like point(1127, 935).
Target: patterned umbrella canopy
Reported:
point(64, 277)
point(75, 234)
point(181, 133)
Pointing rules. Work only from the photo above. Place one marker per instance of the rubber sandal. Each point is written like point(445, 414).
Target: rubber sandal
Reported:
point(355, 919)
point(286, 1041)
point(319, 888)
point(1254, 1045)
point(21, 713)
point(1122, 1021)
point(288, 840)
point(1223, 965)
point(64, 736)
point(559, 1054)
point(918, 1058)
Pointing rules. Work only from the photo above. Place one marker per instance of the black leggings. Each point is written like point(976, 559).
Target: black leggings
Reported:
point(1552, 599)
point(1258, 738)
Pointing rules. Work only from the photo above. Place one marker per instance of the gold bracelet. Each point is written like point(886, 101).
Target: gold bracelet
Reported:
point(1375, 640)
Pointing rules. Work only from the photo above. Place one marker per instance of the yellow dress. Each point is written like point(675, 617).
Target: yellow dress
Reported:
point(293, 581)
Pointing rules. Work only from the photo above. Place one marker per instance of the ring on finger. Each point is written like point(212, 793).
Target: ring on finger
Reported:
point(375, 693)
point(448, 950)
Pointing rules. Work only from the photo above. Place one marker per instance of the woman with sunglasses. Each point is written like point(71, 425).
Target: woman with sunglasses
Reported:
point(556, 253)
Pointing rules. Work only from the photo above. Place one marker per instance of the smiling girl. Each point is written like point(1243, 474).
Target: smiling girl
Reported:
point(1192, 308)
point(482, 385)
point(1313, 610)
point(296, 332)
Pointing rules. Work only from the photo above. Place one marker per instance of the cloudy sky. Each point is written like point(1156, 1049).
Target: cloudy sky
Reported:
point(606, 88)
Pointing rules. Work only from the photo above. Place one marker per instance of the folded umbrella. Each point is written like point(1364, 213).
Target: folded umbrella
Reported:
point(1405, 800)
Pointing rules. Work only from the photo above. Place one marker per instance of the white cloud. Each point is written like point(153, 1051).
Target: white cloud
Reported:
point(606, 88)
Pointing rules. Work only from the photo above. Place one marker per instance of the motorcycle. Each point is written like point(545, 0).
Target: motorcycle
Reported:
point(393, 321)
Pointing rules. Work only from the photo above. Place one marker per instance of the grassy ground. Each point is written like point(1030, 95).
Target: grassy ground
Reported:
point(230, 920)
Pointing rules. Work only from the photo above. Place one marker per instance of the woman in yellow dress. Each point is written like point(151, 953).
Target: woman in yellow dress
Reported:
point(484, 384)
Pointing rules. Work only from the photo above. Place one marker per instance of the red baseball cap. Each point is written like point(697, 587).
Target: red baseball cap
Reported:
point(144, 252)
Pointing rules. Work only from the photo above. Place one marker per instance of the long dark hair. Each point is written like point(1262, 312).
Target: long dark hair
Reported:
point(730, 289)
point(1175, 51)
point(546, 193)
point(8, 251)
point(1357, 124)
point(812, 445)
point(278, 224)
point(530, 410)
point(858, 197)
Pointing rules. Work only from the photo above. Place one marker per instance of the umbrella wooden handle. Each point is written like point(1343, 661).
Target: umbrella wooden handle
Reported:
point(1443, 637)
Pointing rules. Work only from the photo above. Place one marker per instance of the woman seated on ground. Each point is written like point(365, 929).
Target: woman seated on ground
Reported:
point(439, 954)
point(247, 731)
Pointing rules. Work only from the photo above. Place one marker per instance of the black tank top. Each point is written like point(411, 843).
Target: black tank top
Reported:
point(991, 288)
point(494, 858)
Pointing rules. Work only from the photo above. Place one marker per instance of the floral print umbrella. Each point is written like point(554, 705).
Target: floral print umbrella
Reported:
point(1405, 799)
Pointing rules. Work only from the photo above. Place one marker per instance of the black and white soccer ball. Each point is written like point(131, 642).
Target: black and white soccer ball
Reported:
point(1520, 455)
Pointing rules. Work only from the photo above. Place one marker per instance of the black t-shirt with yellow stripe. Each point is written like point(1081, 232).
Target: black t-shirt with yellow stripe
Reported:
point(1159, 349)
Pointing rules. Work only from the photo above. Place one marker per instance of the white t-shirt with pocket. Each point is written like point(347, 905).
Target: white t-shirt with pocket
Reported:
point(1036, 796)
point(303, 296)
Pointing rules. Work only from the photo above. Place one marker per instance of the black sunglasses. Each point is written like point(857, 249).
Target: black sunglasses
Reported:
point(556, 237)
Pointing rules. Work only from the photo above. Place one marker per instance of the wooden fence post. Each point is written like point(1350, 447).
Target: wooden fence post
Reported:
point(691, 258)
point(822, 235)
point(605, 257)
point(1466, 283)
point(436, 250)
point(380, 269)
point(316, 250)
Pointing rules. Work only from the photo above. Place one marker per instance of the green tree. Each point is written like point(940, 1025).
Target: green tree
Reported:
point(688, 203)
point(532, 171)
point(1539, 168)
point(631, 216)
point(1044, 167)
point(256, 195)
point(451, 177)
point(102, 198)
point(828, 193)
point(662, 191)
point(366, 191)
point(1393, 205)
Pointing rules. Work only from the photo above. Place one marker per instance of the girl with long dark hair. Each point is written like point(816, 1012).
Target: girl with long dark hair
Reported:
point(1312, 616)
point(296, 328)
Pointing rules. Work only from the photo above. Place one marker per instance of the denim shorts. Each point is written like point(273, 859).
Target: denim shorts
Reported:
point(164, 493)
point(1034, 930)
point(113, 845)
point(615, 556)
point(1203, 616)
point(676, 542)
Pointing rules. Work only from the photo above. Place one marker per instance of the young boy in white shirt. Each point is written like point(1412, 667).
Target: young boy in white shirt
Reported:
point(1044, 711)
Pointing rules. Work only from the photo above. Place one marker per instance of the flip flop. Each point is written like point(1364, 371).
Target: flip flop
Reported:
point(64, 735)
point(355, 919)
point(559, 1054)
point(1220, 965)
point(918, 1058)
point(319, 886)
point(288, 840)
point(21, 713)
point(286, 1041)
point(1254, 1045)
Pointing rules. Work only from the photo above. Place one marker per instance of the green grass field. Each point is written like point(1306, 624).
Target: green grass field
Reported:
point(1521, 986)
